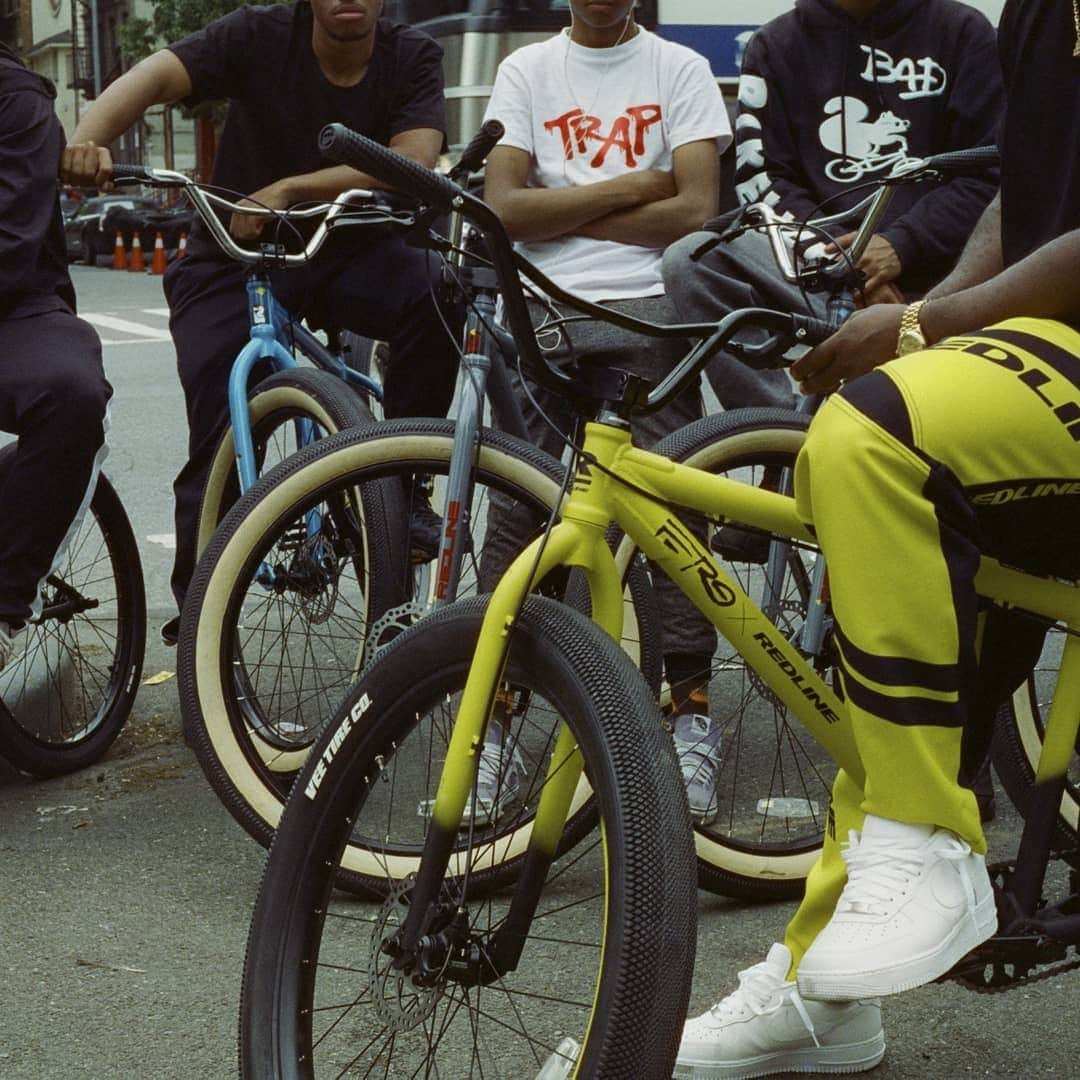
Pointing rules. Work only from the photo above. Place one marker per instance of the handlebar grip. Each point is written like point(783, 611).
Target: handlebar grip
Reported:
point(348, 147)
point(975, 160)
point(131, 174)
point(481, 144)
point(811, 331)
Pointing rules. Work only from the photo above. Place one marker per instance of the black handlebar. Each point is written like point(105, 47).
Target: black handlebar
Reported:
point(978, 159)
point(131, 174)
point(441, 193)
point(475, 154)
point(347, 147)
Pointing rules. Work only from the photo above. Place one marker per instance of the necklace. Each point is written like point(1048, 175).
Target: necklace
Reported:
point(607, 66)
point(1076, 23)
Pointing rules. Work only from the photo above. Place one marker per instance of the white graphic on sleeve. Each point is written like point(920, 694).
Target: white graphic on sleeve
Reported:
point(753, 91)
point(741, 41)
point(870, 146)
point(924, 77)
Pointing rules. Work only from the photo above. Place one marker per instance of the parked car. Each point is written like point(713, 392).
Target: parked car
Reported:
point(86, 238)
point(91, 230)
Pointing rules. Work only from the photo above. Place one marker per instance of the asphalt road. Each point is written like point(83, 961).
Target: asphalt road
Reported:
point(126, 890)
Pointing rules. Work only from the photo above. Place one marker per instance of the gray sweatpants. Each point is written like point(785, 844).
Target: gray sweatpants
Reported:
point(685, 630)
point(707, 279)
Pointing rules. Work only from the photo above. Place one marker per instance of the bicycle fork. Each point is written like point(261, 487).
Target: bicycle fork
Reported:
point(575, 543)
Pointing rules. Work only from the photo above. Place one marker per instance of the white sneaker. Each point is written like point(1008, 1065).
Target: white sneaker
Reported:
point(697, 746)
point(8, 645)
point(499, 774)
point(917, 900)
point(765, 1027)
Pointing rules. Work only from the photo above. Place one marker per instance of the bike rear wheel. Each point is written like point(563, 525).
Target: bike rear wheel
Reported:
point(608, 947)
point(68, 692)
point(251, 744)
point(1019, 729)
point(773, 780)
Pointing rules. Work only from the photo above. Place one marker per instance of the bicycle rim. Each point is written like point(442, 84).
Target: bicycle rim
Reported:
point(68, 692)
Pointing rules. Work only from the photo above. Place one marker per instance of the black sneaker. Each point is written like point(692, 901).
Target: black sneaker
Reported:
point(170, 632)
point(425, 529)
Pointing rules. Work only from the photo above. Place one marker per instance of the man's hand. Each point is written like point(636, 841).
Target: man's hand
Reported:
point(275, 196)
point(867, 339)
point(883, 294)
point(879, 263)
point(87, 165)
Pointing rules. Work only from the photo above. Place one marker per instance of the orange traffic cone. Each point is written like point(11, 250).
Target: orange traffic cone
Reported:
point(180, 251)
point(158, 262)
point(119, 258)
point(136, 262)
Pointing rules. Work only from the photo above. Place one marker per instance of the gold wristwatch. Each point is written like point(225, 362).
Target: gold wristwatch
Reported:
point(911, 337)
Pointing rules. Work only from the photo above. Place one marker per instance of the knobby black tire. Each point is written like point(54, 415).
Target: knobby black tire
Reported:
point(773, 864)
point(252, 774)
point(1019, 728)
point(66, 695)
point(627, 1014)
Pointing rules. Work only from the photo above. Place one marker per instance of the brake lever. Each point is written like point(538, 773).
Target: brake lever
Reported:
point(763, 355)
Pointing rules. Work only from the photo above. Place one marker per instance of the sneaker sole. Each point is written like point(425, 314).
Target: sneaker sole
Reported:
point(913, 972)
point(849, 1058)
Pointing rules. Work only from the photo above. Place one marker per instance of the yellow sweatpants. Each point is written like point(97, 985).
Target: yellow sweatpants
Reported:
point(907, 474)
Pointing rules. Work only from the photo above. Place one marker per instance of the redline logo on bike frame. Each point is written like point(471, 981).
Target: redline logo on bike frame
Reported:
point(453, 517)
point(339, 737)
point(677, 540)
point(789, 669)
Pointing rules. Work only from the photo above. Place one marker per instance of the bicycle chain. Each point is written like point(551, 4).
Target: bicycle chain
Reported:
point(1014, 981)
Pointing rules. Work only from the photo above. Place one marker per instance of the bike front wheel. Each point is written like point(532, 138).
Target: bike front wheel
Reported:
point(66, 695)
point(601, 939)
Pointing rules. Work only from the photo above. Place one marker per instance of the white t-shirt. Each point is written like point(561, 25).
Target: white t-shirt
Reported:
point(587, 115)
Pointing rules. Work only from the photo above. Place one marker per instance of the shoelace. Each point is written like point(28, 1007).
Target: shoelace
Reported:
point(877, 873)
point(758, 991)
point(695, 761)
point(497, 762)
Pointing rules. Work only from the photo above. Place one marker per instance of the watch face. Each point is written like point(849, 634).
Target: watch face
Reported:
point(910, 341)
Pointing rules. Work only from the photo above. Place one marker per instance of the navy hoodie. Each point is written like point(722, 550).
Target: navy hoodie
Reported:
point(1040, 144)
point(33, 259)
point(827, 102)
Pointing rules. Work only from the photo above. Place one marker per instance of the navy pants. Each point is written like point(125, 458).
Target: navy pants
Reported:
point(53, 396)
point(382, 289)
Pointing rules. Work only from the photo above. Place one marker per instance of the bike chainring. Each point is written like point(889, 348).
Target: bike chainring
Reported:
point(1024, 956)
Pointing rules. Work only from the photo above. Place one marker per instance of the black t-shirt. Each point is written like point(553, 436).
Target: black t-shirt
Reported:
point(33, 259)
point(261, 60)
point(1040, 140)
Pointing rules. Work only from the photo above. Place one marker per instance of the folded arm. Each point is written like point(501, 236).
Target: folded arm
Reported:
point(535, 213)
point(696, 175)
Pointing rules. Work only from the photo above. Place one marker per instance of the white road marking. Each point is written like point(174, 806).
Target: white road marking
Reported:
point(166, 540)
point(111, 322)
